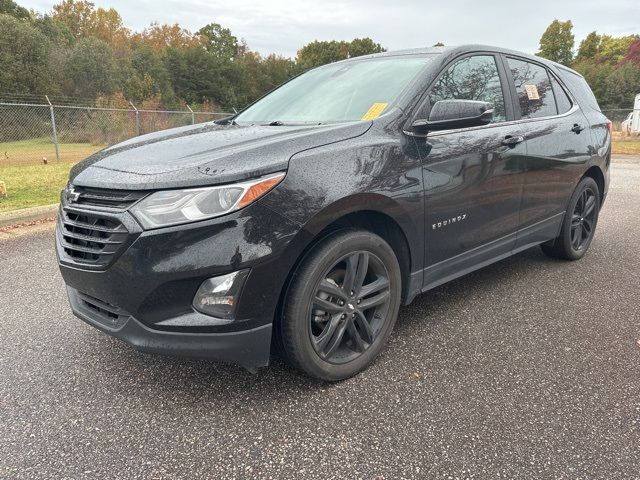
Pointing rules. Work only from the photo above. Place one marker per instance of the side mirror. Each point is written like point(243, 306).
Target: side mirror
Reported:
point(450, 114)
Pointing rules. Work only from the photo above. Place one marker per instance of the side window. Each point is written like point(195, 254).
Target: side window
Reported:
point(472, 78)
point(533, 87)
point(562, 100)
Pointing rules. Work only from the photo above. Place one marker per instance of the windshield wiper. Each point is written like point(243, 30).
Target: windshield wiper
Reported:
point(276, 123)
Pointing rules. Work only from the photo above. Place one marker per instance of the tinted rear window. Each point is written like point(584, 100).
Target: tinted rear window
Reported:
point(580, 89)
point(533, 87)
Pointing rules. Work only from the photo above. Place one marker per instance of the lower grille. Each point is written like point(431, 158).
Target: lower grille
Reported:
point(103, 312)
point(90, 238)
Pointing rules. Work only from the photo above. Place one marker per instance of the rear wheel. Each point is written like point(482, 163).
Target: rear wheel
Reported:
point(579, 224)
point(341, 305)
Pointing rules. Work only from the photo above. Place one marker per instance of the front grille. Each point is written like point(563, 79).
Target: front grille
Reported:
point(90, 238)
point(104, 312)
point(101, 197)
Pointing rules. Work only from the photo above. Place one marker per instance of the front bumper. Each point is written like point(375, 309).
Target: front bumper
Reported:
point(144, 294)
point(249, 348)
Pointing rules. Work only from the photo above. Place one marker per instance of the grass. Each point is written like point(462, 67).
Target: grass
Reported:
point(29, 180)
point(33, 185)
point(626, 146)
point(38, 150)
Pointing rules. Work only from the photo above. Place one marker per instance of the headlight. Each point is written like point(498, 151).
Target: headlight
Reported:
point(172, 207)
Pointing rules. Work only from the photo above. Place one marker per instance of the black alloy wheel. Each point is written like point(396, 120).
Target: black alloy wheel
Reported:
point(350, 305)
point(579, 223)
point(341, 305)
point(583, 219)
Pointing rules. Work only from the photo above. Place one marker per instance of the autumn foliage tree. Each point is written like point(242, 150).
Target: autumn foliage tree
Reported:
point(557, 42)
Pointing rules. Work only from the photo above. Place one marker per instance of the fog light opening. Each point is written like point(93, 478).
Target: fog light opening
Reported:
point(217, 296)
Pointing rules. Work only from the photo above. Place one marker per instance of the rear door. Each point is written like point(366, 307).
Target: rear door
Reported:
point(471, 175)
point(558, 147)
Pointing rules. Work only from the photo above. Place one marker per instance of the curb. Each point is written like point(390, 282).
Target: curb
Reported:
point(26, 215)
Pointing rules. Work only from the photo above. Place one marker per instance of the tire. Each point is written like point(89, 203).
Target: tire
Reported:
point(579, 223)
point(330, 330)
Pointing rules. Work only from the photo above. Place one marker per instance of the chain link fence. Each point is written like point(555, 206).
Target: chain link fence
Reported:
point(38, 133)
point(40, 142)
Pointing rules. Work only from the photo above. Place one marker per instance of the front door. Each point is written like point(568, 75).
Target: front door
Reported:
point(471, 176)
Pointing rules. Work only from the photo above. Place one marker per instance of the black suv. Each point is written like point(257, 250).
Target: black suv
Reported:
point(302, 223)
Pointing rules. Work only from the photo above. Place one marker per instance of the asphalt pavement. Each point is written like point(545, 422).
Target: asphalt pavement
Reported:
point(529, 368)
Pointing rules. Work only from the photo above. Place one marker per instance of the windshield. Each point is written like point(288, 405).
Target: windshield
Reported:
point(350, 91)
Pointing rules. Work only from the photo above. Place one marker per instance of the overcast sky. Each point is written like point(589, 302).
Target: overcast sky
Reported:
point(283, 26)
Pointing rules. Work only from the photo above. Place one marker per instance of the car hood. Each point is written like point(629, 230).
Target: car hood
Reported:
point(205, 154)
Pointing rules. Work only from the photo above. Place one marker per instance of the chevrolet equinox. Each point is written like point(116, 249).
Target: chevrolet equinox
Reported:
point(303, 223)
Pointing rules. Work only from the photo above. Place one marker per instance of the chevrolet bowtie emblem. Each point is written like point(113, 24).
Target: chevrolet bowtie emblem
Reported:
point(71, 195)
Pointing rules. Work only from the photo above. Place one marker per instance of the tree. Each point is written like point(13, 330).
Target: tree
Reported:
point(219, 41)
point(319, 53)
point(24, 58)
point(91, 69)
point(76, 15)
point(148, 77)
point(83, 20)
point(622, 86)
point(9, 7)
point(161, 37)
point(107, 25)
point(198, 75)
point(614, 49)
point(557, 42)
point(633, 54)
point(57, 32)
point(589, 47)
point(364, 46)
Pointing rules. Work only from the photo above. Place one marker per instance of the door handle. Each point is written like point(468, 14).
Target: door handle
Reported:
point(577, 128)
point(511, 141)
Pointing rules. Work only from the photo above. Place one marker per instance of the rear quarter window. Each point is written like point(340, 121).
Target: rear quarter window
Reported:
point(562, 100)
point(580, 89)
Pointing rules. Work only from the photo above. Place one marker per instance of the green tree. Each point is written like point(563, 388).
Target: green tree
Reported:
point(219, 41)
point(364, 46)
point(319, 53)
point(622, 86)
point(599, 59)
point(57, 32)
point(91, 69)
point(613, 49)
point(589, 47)
point(557, 42)
point(24, 58)
point(9, 7)
point(147, 77)
point(198, 76)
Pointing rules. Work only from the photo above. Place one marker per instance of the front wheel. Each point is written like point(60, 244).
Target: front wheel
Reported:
point(579, 224)
point(341, 305)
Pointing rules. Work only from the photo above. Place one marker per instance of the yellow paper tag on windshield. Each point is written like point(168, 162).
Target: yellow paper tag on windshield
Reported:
point(375, 111)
